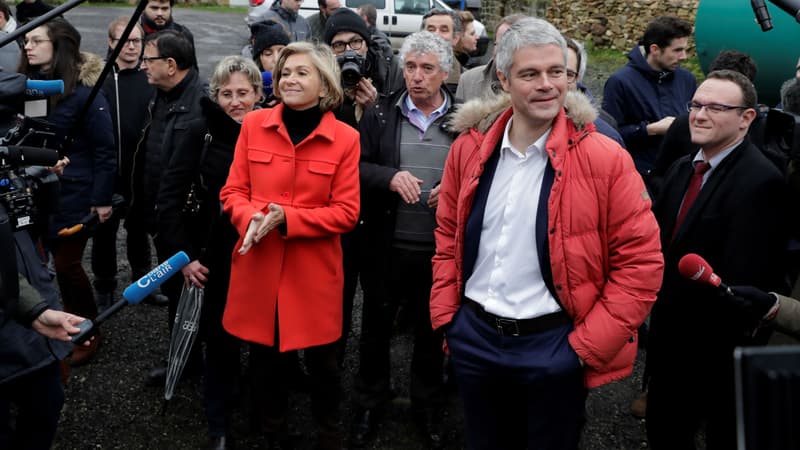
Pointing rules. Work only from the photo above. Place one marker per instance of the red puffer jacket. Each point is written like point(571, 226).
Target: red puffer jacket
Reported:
point(604, 244)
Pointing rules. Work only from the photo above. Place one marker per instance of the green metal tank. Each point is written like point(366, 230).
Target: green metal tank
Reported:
point(730, 25)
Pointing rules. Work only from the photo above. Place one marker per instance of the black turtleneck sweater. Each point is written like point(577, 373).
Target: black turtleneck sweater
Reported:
point(300, 124)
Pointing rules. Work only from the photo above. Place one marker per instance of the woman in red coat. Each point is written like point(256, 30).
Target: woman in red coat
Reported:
point(291, 192)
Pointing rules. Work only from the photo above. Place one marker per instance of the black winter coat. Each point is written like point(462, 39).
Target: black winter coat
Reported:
point(210, 161)
point(88, 179)
point(128, 94)
point(180, 133)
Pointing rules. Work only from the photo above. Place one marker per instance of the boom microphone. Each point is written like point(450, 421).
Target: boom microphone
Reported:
point(134, 293)
point(695, 268)
point(28, 156)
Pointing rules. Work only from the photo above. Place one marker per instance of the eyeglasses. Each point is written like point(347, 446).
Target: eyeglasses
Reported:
point(354, 44)
point(135, 42)
point(571, 75)
point(713, 108)
point(149, 59)
point(35, 41)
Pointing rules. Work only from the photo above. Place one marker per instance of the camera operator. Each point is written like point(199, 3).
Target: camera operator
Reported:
point(366, 73)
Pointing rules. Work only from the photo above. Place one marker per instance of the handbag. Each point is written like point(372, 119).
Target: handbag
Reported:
point(198, 189)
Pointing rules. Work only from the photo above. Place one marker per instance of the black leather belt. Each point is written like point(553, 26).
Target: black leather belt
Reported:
point(519, 327)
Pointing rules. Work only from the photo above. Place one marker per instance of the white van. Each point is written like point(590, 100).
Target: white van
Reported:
point(396, 18)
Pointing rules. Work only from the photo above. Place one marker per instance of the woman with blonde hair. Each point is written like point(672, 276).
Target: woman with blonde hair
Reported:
point(293, 189)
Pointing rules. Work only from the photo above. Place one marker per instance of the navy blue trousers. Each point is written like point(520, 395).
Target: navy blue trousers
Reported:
point(523, 392)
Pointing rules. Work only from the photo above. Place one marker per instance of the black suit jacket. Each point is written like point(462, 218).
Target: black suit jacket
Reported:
point(738, 224)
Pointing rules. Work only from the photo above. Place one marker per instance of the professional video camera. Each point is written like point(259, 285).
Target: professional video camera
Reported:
point(783, 133)
point(27, 190)
point(353, 68)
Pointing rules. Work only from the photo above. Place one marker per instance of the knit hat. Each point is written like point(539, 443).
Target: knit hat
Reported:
point(344, 19)
point(269, 33)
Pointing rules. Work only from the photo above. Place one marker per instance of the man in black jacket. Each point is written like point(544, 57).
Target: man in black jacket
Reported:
point(128, 94)
point(404, 145)
point(175, 120)
point(726, 203)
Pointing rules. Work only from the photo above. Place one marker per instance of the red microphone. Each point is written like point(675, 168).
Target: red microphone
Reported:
point(695, 268)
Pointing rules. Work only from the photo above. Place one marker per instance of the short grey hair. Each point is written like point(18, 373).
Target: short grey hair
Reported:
point(425, 42)
point(527, 32)
point(230, 65)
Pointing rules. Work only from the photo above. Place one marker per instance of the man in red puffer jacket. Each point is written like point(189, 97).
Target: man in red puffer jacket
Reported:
point(547, 254)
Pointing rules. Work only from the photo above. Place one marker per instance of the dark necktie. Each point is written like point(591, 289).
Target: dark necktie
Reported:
point(692, 192)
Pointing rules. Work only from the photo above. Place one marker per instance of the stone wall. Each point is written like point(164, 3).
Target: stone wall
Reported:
point(617, 24)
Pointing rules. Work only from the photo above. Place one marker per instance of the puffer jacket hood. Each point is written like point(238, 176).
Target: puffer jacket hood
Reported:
point(481, 113)
point(90, 69)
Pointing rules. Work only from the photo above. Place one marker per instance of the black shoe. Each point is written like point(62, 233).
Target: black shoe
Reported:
point(219, 443)
point(363, 427)
point(157, 300)
point(429, 423)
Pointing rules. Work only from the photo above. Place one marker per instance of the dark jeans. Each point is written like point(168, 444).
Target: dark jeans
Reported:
point(76, 291)
point(271, 392)
point(518, 392)
point(409, 279)
point(104, 253)
point(38, 397)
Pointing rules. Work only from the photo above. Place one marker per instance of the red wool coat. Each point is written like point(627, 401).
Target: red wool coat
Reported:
point(296, 277)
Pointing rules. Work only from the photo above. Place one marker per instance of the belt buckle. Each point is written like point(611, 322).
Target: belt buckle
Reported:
point(511, 324)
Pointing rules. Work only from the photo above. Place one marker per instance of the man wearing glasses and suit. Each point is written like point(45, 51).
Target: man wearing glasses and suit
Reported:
point(727, 203)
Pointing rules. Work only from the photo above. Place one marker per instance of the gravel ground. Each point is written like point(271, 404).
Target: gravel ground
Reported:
point(109, 406)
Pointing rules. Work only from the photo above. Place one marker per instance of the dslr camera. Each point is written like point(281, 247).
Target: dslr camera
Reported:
point(353, 68)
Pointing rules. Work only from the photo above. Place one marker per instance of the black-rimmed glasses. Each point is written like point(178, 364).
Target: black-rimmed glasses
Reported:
point(135, 42)
point(354, 44)
point(149, 59)
point(713, 108)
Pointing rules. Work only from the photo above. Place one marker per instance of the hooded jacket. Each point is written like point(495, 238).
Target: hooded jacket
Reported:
point(88, 179)
point(637, 95)
point(295, 24)
point(599, 238)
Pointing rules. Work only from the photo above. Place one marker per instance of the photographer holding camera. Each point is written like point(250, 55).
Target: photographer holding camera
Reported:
point(366, 73)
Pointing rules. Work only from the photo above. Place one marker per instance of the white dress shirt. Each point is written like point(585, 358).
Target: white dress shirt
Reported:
point(507, 279)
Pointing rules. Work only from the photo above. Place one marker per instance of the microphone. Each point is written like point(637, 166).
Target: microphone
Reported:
point(28, 156)
point(134, 293)
point(695, 268)
point(762, 14)
point(266, 80)
point(43, 88)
